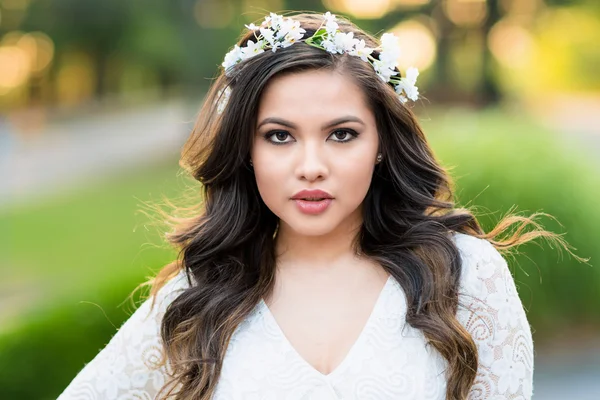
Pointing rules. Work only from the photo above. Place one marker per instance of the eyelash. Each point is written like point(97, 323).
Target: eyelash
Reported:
point(352, 132)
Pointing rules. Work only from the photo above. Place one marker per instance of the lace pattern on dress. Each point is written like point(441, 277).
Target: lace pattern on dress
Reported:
point(391, 360)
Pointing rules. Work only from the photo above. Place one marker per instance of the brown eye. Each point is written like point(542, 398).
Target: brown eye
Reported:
point(344, 135)
point(281, 136)
point(277, 137)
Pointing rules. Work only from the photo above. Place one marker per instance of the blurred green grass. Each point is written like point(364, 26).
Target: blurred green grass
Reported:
point(73, 260)
point(75, 247)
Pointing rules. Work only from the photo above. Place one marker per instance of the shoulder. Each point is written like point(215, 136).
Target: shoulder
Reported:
point(487, 290)
point(130, 365)
point(481, 262)
point(471, 246)
point(173, 288)
point(155, 306)
point(491, 311)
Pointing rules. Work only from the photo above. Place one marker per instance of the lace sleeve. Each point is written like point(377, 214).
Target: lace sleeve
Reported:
point(492, 312)
point(125, 368)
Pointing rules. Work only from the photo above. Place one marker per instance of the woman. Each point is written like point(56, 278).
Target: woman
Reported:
point(327, 260)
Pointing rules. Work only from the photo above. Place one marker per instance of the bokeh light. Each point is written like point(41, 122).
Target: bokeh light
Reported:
point(521, 7)
point(511, 44)
point(14, 67)
point(76, 78)
point(411, 3)
point(468, 13)
point(418, 44)
point(23, 55)
point(365, 9)
point(39, 48)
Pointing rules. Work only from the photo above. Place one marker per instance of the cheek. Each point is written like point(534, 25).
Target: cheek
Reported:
point(355, 175)
point(271, 175)
point(269, 182)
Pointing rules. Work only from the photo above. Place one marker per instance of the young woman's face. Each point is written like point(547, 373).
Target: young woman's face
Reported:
point(314, 131)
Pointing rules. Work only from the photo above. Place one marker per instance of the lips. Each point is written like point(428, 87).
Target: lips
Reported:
point(312, 195)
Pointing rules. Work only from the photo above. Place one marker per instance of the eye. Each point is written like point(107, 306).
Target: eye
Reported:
point(344, 135)
point(277, 137)
point(340, 135)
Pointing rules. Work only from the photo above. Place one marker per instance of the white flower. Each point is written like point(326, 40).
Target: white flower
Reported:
point(329, 16)
point(329, 46)
point(233, 57)
point(412, 92)
point(407, 84)
point(251, 49)
point(279, 32)
point(509, 372)
point(411, 75)
point(344, 42)
point(390, 49)
point(283, 30)
point(268, 35)
point(275, 21)
point(294, 33)
point(223, 96)
point(290, 39)
point(388, 40)
point(361, 51)
point(330, 25)
point(287, 26)
point(383, 70)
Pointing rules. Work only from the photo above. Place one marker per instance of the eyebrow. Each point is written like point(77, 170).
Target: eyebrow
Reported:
point(337, 121)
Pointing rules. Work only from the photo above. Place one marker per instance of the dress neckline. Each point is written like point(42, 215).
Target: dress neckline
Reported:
point(353, 349)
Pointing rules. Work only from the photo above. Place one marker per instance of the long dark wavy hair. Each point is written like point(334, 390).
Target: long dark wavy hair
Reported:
point(227, 246)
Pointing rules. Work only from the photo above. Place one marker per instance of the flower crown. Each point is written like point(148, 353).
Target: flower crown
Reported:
point(279, 32)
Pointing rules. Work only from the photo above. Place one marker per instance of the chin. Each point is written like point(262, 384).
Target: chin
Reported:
point(311, 230)
point(310, 225)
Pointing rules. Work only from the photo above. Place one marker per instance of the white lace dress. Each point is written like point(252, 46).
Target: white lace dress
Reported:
point(389, 360)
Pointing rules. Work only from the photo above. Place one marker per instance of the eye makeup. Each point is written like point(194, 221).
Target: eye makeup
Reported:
point(350, 135)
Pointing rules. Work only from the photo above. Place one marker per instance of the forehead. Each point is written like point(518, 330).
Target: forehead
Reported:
point(313, 94)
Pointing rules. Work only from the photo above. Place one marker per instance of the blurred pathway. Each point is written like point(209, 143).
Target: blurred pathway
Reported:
point(576, 116)
point(568, 374)
point(67, 153)
point(72, 152)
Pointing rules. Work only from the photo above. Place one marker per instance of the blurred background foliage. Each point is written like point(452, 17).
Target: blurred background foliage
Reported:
point(68, 51)
point(511, 103)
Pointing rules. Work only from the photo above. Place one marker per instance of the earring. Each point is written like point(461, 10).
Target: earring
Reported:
point(251, 163)
point(379, 158)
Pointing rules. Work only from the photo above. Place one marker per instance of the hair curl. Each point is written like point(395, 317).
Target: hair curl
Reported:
point(227, 245)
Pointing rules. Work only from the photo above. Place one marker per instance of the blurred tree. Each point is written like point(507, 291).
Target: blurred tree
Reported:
point(153, 38)
point(168, 39)
point(95, 27)
point(489, 90)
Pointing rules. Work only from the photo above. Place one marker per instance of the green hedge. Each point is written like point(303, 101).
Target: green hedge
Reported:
point(499, 162)
point(41, 356)
point(72, 263)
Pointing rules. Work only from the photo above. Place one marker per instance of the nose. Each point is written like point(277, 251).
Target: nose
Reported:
point(312, 163)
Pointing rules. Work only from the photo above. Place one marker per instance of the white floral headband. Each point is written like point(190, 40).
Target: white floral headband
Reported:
point(278, 32)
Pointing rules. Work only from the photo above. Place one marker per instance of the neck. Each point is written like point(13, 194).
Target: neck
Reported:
point(316, 252)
